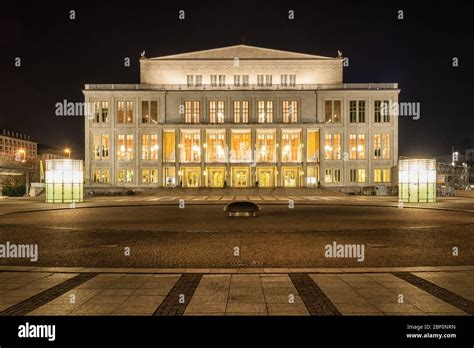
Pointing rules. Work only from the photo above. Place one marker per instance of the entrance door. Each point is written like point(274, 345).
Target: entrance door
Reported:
point(191, 176)
point(266, 177)
point(291, 176)
point(216, 176)
point(240, 176)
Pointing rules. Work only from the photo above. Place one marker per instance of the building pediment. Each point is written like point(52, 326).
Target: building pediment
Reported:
point(241, 52)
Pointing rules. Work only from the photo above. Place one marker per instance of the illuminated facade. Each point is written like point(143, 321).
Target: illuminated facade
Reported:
point(240, 116)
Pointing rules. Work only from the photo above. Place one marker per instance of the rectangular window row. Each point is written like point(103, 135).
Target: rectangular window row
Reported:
point(357, 111)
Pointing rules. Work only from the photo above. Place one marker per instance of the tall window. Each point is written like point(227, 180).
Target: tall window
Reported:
point(332, 146)
point(149, 111)
point(357, 175)
point(357, 146)
point(312, 148)
point(290, 111)
point(150, 147)
point(125, 176)
point(216, 111)
point(288, 80)
point(284, 80)
point(100, 146)
point(101, 111)
point(240, 146)
point(382, 175)
point(332, 175)
point(192, 111)
point(125, 112)
point(169, 140)
point(191, 147)
point(149, 176)
point(382, 146)
point(245, 80)
point(213, 80)
point(291, 146)
point(125, 147)
point(101, 176)
point(241, 111)
point(332, 111)
point(381, 111)
point(265, 111)
point(216, 148)
point(266, 146)
point(260, 80)
point(357, 111)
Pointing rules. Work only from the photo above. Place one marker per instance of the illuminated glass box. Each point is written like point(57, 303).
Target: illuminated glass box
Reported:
point(417, 180)
point(64, 181)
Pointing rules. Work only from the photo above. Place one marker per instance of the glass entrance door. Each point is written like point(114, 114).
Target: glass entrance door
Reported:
point(240, 176)
point(191, 176)
point(291, 176)
point(266, 177)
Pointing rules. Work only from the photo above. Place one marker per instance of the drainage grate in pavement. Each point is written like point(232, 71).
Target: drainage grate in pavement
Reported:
point(447, 296)
point(38, 300)
point(180, 295)
point(313, 297)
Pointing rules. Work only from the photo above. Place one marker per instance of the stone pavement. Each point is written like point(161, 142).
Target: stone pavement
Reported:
point(358, 291)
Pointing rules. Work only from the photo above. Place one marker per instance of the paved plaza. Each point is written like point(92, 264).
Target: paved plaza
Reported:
point(416, 291)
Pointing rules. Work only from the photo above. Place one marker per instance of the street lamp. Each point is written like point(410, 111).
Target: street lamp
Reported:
point(20, 153)
point(68, 151)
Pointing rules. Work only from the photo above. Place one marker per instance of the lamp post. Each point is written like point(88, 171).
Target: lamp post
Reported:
point(68, 151)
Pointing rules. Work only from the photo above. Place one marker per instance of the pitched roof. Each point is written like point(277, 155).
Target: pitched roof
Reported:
point(241, 52)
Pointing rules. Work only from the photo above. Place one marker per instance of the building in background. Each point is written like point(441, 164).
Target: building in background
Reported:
point(241, 116)
point(18, 162)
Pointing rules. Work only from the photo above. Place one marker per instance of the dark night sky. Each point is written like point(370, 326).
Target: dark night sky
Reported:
point(60, 55)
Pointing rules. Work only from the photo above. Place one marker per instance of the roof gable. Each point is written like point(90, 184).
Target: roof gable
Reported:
point(241, 52)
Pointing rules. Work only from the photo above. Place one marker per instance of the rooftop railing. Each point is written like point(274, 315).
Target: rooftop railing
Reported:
point(204, 87)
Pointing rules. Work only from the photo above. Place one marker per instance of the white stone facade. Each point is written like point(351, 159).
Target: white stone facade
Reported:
point(203, 108)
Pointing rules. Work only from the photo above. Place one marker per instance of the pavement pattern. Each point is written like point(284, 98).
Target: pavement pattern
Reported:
point(242, 292)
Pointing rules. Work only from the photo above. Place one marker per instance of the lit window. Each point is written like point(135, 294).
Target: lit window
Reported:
point(125, 112)
point(125, 147)
point(312, 148)
point(266, 146)
point(101, 176)
point(290, 111)
point(291, 146)
point(357, 175)
point(332, 146)
point(241, 111)
point(150, 147)
point(240, 146)
point(191, 147)
point(382, 146)
point(149, 176)
point(125, 176)
point(169, 146)
point(216, 111)
point(356, 146)
point(265, 111)
point(192, 111)
point(216, 147)
point(100, 146)
point(332, 111)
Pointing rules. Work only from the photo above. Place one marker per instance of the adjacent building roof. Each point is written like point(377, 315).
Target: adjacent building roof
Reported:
point(241, 52)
